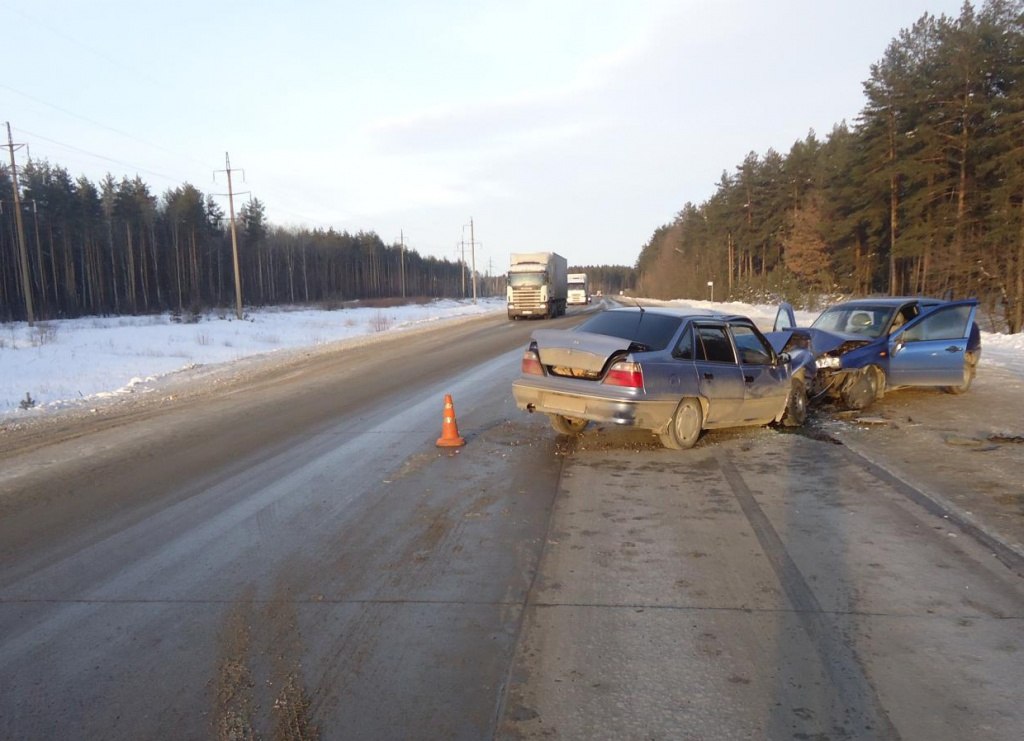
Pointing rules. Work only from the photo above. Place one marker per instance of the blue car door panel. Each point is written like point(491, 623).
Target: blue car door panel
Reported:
point(764, 393)
point(719, 376)
point(929, 351)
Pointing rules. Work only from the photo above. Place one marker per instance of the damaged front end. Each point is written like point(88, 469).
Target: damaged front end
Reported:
point(841, 372)
point(845, 375)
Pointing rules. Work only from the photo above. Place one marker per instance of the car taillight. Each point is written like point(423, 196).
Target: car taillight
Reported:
point(531, 364)
point(625, 374)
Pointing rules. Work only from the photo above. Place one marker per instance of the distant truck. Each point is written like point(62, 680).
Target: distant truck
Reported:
point(578, 293)
point(537, 285)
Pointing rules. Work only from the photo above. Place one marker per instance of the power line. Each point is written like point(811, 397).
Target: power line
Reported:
point(136, 168)
point(134, 70)
point(100, 125)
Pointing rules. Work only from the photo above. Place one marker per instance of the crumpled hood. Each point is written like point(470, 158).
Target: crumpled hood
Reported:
point(820, 340)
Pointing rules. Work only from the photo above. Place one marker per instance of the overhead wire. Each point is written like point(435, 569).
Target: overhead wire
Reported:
point(135, 167)
point(101, 125)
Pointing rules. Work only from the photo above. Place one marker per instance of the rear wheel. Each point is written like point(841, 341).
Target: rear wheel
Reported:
point(685, 427)
point(796, 405)
point(970, 367)
point(567, 425)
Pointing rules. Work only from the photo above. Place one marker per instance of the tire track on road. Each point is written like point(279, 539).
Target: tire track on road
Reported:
point(853, 688)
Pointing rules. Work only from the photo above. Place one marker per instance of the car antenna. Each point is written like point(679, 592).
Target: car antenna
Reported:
point(637, 302)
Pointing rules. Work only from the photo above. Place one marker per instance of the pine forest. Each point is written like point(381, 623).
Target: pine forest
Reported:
point(922, 195)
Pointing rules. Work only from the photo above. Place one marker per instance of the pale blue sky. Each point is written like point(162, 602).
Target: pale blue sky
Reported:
point(572, 126)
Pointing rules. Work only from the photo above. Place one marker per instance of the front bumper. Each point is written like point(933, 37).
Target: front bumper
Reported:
point(531, 311)
point(642, 413)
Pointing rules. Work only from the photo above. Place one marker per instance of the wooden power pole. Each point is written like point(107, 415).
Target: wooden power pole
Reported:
point(472, 252)
point(234, 238)
point(26, 280)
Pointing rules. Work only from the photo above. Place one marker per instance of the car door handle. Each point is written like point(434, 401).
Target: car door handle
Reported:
point(748, 379)
point(952, 348)
point(709, 376)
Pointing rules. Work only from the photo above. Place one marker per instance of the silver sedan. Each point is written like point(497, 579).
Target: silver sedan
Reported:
point(674, 372)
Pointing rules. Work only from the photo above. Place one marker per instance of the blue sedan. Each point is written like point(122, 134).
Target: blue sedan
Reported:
point(674, 372)
point(866, 347)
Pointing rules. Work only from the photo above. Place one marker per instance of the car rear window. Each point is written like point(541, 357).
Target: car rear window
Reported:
point(653, 331)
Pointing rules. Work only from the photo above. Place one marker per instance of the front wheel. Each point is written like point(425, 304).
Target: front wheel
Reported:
point(685, 427)
point(861, 391)
point(796, 405)
point(567, 425)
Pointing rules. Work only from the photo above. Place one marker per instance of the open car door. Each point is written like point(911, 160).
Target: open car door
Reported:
point(931, 349)
point(785, 318)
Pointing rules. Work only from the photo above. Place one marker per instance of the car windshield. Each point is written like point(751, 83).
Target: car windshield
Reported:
point(870, 321)
point(653, 331)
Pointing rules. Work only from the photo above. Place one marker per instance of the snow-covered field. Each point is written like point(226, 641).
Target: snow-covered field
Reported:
point(72, 362)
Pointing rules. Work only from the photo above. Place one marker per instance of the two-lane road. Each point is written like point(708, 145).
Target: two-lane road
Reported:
point(294, 558)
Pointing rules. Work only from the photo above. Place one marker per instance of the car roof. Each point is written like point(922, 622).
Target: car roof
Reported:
point(680, 312)
point(888, 301)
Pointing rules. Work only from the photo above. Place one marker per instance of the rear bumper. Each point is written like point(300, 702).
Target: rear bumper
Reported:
point(645, 414)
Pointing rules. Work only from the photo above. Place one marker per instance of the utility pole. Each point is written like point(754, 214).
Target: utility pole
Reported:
point(462, 266)
point(402, 233)
point(234, 236)
point(472, 251)
point(26, 281)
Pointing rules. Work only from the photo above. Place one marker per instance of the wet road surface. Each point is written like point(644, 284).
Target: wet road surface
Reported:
point(300, 561)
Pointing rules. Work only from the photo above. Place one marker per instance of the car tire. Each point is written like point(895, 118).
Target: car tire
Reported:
point(970, 368)
point(685, 427)
point(796, 404)
point(861, 391)
point(567, 425)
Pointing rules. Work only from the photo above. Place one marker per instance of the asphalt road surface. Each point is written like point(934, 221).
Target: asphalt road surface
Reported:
point(290, 556)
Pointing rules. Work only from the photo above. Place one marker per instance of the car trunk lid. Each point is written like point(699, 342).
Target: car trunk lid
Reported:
point(577, 351)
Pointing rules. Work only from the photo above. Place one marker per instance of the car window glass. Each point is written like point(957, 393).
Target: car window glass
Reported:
point(831, 320)
point(713, 344)
point(684, 349)
point(945, 324)
point(869, 321)
point(903, 316)
point(752, 349)
point(782, 320)
point(652, 330)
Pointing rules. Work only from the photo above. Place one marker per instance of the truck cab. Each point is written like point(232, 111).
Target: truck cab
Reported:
point(536, 285)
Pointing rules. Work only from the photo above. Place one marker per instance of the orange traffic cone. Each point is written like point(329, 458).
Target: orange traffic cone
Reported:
point(449, 427)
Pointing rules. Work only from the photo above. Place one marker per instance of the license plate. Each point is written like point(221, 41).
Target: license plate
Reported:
point(566, 404)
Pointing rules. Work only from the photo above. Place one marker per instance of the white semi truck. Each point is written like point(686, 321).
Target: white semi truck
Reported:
point(536, 285)
point(578, 293)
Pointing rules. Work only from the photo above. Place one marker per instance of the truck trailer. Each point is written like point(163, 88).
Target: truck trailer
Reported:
point(537, 285)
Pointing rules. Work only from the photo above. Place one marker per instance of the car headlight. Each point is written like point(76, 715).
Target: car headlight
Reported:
point(827, 362)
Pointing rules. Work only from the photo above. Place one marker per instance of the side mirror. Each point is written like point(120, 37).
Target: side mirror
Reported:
point(784, 358)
